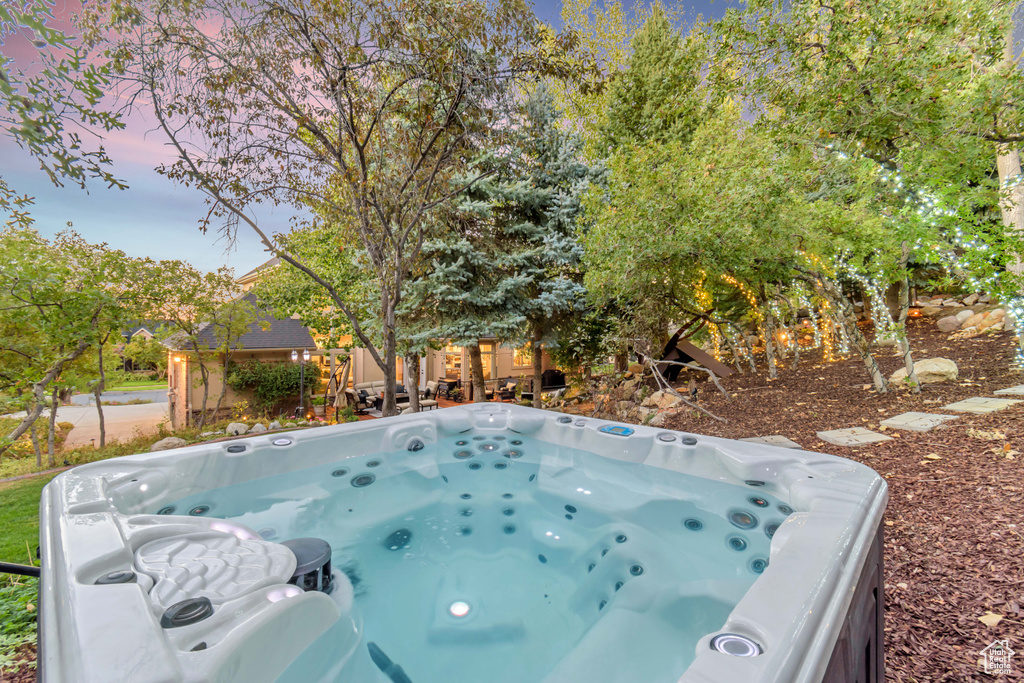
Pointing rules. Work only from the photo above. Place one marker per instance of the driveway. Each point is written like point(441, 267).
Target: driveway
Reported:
point(154, 395)
point(121, 422)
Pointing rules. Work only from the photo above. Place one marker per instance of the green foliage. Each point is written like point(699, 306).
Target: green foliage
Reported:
point(18, 609)
point(509, 263)
point(657, 98)
point(36, 104)
point(272, 383)
point(347, 414)
point(147, 352)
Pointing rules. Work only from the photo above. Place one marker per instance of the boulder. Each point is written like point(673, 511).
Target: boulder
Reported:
point(303, 423)
point(636, 369)
point(950, 302)
point(290, 424)
point(973, 320)
point(931, 311)
point(658, 420)
point(984, 299)
point(662, 400)
point(623, 406)
point(168, 443)
point(237, 429)
point(971, 299)
point(206, 435)
point(948, 324)
point(998, 315)
point(274, 425)
point(257, 429)
point(929, 371)
point(964, 314)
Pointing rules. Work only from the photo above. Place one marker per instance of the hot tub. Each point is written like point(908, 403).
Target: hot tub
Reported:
point(481, 543)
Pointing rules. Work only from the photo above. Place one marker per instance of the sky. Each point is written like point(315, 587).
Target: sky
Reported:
point(156, 217)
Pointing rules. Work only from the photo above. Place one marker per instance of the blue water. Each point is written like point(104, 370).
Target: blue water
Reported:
point(545, 552)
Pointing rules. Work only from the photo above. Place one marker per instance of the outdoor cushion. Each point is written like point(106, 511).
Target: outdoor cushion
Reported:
point(363, 395)
point(400, 389)
point(510, 386)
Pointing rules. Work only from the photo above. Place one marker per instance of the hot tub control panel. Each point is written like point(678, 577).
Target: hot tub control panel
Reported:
point(616, 430)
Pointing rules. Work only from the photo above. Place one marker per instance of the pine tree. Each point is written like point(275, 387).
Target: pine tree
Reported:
point(509, 264)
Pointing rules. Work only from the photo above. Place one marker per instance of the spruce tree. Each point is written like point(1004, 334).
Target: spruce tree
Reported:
point(508, 264)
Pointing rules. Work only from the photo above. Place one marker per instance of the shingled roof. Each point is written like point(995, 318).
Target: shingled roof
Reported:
point(280, 333)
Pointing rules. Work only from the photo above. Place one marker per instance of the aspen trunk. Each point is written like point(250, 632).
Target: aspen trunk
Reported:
point(901, 327)
point(412, 380)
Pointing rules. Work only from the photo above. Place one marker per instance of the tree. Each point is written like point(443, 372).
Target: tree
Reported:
point(208, 318)
point(60, 298)
point(147, 352)
point(360, 111)
point(37, 104)
point(940, 124)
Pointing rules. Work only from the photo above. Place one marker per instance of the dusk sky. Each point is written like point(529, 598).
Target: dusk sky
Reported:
point(156, 217)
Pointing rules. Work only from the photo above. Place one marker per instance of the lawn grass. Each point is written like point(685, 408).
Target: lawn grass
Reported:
point(19, 518)
point(145, 385)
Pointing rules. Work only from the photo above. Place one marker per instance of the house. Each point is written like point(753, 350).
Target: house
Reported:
point(269, 339)
point(447, 362)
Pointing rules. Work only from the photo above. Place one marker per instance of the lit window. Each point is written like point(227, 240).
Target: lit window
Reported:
point(523, 357)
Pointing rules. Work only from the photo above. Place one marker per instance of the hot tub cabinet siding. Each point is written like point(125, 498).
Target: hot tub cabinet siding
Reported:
point(859, 654)
point(813, 608)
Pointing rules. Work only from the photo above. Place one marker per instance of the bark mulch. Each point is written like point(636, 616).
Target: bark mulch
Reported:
point(954, 548)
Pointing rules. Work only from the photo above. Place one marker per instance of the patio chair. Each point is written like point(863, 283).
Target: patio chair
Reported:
point(507, 391)
point(360, 400)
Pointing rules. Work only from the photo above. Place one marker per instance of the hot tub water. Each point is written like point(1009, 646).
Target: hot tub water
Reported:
point(491, 556)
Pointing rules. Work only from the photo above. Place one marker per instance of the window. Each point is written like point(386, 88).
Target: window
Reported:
point(523, 357)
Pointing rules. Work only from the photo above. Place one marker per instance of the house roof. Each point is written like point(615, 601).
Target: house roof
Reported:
point(268, 332)
point(251, 275)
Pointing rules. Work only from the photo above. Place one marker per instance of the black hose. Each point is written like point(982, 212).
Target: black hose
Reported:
point(20, 569)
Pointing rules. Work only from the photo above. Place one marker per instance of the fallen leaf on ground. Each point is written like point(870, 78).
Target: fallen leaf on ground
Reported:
point(933, 456)
point(990, 618)
point(994, 435)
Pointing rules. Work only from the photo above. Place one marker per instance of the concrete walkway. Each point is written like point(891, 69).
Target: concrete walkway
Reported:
point(121, 422)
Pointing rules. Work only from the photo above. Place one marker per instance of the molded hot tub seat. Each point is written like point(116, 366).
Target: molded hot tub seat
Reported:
point(461, 540)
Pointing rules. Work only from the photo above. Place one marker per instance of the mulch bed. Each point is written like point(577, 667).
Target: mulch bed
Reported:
point(27, 673)
point(954, 526)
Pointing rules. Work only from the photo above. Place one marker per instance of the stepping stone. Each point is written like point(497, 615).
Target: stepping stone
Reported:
point(1012, 391)
point(980, 404)
point(917, 422)
point(854, 436)
point(774, 440)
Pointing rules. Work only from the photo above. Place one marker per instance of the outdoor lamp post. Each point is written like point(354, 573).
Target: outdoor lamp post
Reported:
point(302, 378)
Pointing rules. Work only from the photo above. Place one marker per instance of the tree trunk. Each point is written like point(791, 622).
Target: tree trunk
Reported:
point(412, 380)
point(538, 364)
point(390, 367)
point(476, 373)
point(901, 327)
point(204, 373)
point(621, 361)
point(37, 392)
point(51, 430)
point(35, 446)
point(97, 391)
point(734, 351)
point(223, 385)
point(848, 319)
point(769, 346)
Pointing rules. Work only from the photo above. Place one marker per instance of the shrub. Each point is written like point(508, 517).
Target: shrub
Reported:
point(272, 383)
